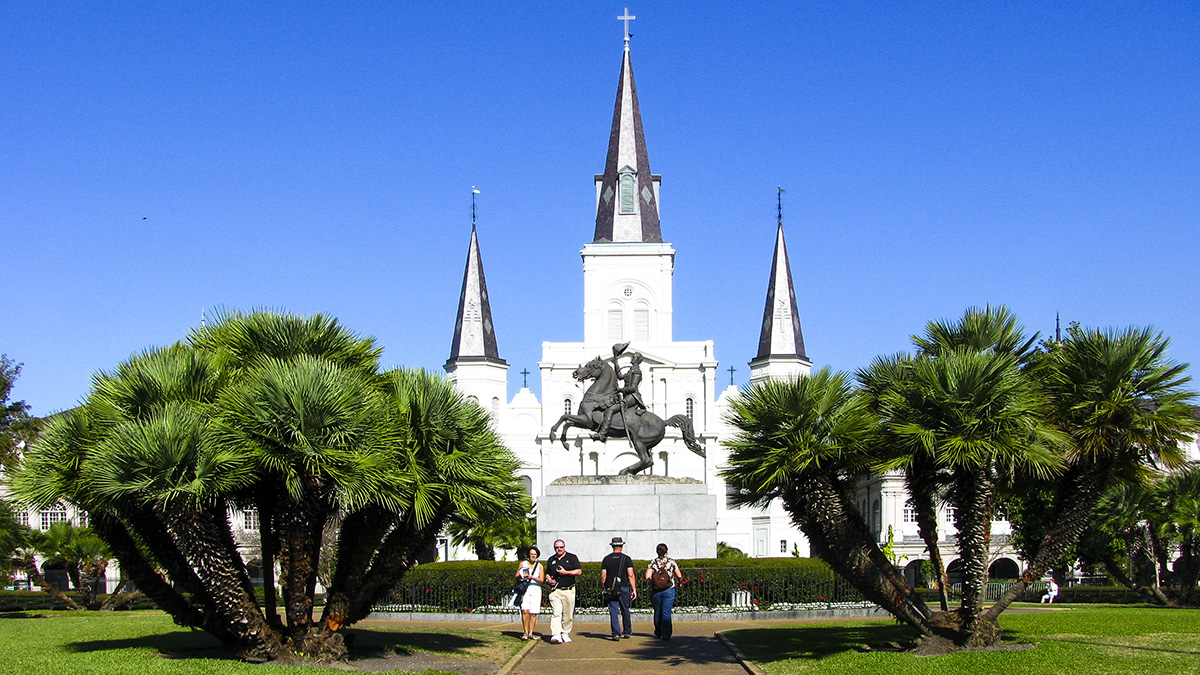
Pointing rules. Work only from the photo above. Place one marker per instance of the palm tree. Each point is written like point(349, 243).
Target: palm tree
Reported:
point(291, 415)
point(977, 417)
point(1124, 406)
point(955, 416)
point(81, 553)
point(805, 442)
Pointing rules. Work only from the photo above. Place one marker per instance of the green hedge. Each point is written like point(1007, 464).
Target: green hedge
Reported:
point(25, 601)
point(779, 583)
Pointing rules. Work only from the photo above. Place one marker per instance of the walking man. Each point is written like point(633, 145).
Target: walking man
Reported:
point(564, 568)
point(616, 572)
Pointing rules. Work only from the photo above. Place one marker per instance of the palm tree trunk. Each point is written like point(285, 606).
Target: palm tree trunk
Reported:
point(268, 541)
point(206, 545)
point(1152, 594)
point(973, 496)
point(300, 528)
point(1075, 503)
point(1188, 568)
point(360, 536)
point(838, 535)
point(921, 491)
point(191, 613)
point(399, 552)
point(29, 565)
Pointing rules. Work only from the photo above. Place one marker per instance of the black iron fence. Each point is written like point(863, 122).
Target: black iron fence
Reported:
point(433, 589)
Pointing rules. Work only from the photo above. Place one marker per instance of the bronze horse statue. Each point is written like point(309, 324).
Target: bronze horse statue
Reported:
point(646, 428)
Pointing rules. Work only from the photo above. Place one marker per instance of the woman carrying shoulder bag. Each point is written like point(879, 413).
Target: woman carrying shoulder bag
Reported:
point(531, 604)
point(662, 573)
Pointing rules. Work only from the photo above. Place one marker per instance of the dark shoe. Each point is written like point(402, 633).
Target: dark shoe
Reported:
point(615, 638)
point(626, 636)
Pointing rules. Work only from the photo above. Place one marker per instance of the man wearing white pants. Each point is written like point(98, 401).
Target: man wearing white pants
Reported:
point(563, 568)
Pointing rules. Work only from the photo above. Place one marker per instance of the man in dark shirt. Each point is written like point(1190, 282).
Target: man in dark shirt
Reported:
point(616, 571)
point(563, 569)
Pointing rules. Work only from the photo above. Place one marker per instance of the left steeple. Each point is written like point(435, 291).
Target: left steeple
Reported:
point(781, 342)
point(475, 365)
point(627, 193)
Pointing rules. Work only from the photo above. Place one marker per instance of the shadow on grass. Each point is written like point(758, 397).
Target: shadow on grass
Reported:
point(363, 643)
point(22, 615)
point(766, 645)
point(191, 643)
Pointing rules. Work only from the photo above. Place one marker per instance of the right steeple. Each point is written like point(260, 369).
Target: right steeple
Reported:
point(781, 342)
point(627, 194)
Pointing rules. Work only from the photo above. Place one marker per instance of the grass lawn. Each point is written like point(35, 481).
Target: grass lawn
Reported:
point(147, 643)
point(1073, 639)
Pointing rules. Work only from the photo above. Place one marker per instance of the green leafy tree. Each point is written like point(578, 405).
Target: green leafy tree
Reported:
point(960, 418)
point(1124, 406)
point(83, 554)
point(977, 417)
point(292, 416)
point(487, 536)
point(17, 427)
point(724, 550)
point(805, 442)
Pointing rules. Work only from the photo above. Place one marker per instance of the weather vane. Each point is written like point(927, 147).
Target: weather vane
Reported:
point(473, 193)
point(779, 206)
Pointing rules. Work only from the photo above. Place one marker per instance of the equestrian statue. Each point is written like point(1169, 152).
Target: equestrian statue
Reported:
point(613, 407)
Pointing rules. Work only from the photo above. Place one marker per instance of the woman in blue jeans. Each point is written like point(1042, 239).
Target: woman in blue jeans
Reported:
point(662, 590)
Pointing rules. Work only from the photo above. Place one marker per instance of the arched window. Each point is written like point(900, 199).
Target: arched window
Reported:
point(627, 194)
point(616, 323)
point(876, 517)
point(567, 407)
point(641, 324)
point(55, 514)
point(527, 483)
point(496, 408)
point(690, 409)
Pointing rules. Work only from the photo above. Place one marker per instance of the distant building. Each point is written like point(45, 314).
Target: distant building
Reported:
point(627, 268)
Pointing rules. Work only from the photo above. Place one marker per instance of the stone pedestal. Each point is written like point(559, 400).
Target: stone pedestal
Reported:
point(588, 511)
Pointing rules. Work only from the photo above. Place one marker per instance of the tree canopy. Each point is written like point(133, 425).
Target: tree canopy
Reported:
point(978, 410)
point(289, 416)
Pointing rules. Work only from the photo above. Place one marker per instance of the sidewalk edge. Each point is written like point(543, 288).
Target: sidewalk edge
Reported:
point(515, 659)
point(746, 663)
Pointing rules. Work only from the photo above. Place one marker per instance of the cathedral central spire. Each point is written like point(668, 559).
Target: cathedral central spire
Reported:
point(627, 193)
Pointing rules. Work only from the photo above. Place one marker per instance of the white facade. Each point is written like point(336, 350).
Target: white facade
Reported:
point(627, 282)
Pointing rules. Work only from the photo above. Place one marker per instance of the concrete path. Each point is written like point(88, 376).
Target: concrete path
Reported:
point(591, 652)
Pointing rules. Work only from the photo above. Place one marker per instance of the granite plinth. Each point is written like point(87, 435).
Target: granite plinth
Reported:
point(588, 511)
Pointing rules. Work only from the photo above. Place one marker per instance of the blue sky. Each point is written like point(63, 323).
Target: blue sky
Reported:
point(159, 158)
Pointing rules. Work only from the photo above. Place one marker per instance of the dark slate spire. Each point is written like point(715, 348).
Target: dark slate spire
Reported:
point(627, 200)
point(781, 335)
point(474, 334)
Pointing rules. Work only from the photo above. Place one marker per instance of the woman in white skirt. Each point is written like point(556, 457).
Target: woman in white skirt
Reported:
point(531, 604)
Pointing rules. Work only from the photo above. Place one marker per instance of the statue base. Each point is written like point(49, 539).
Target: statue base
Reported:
point(588, 511)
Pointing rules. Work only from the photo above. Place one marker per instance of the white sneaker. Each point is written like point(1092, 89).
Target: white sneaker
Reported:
point(556, 640)
point(566, 638)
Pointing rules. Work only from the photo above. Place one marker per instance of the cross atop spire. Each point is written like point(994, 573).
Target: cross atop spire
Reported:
point(626, 18)
point(627, 193)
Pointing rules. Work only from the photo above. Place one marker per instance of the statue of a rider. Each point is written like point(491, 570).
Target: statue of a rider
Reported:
point(626, 400)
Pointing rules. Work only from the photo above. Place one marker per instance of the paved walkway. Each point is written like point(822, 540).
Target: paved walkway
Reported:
point(591, 652)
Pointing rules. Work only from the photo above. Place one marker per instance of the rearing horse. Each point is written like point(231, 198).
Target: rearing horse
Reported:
point(647, 428)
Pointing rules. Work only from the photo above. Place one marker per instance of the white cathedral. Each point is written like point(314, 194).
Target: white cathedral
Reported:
point(627, 276)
